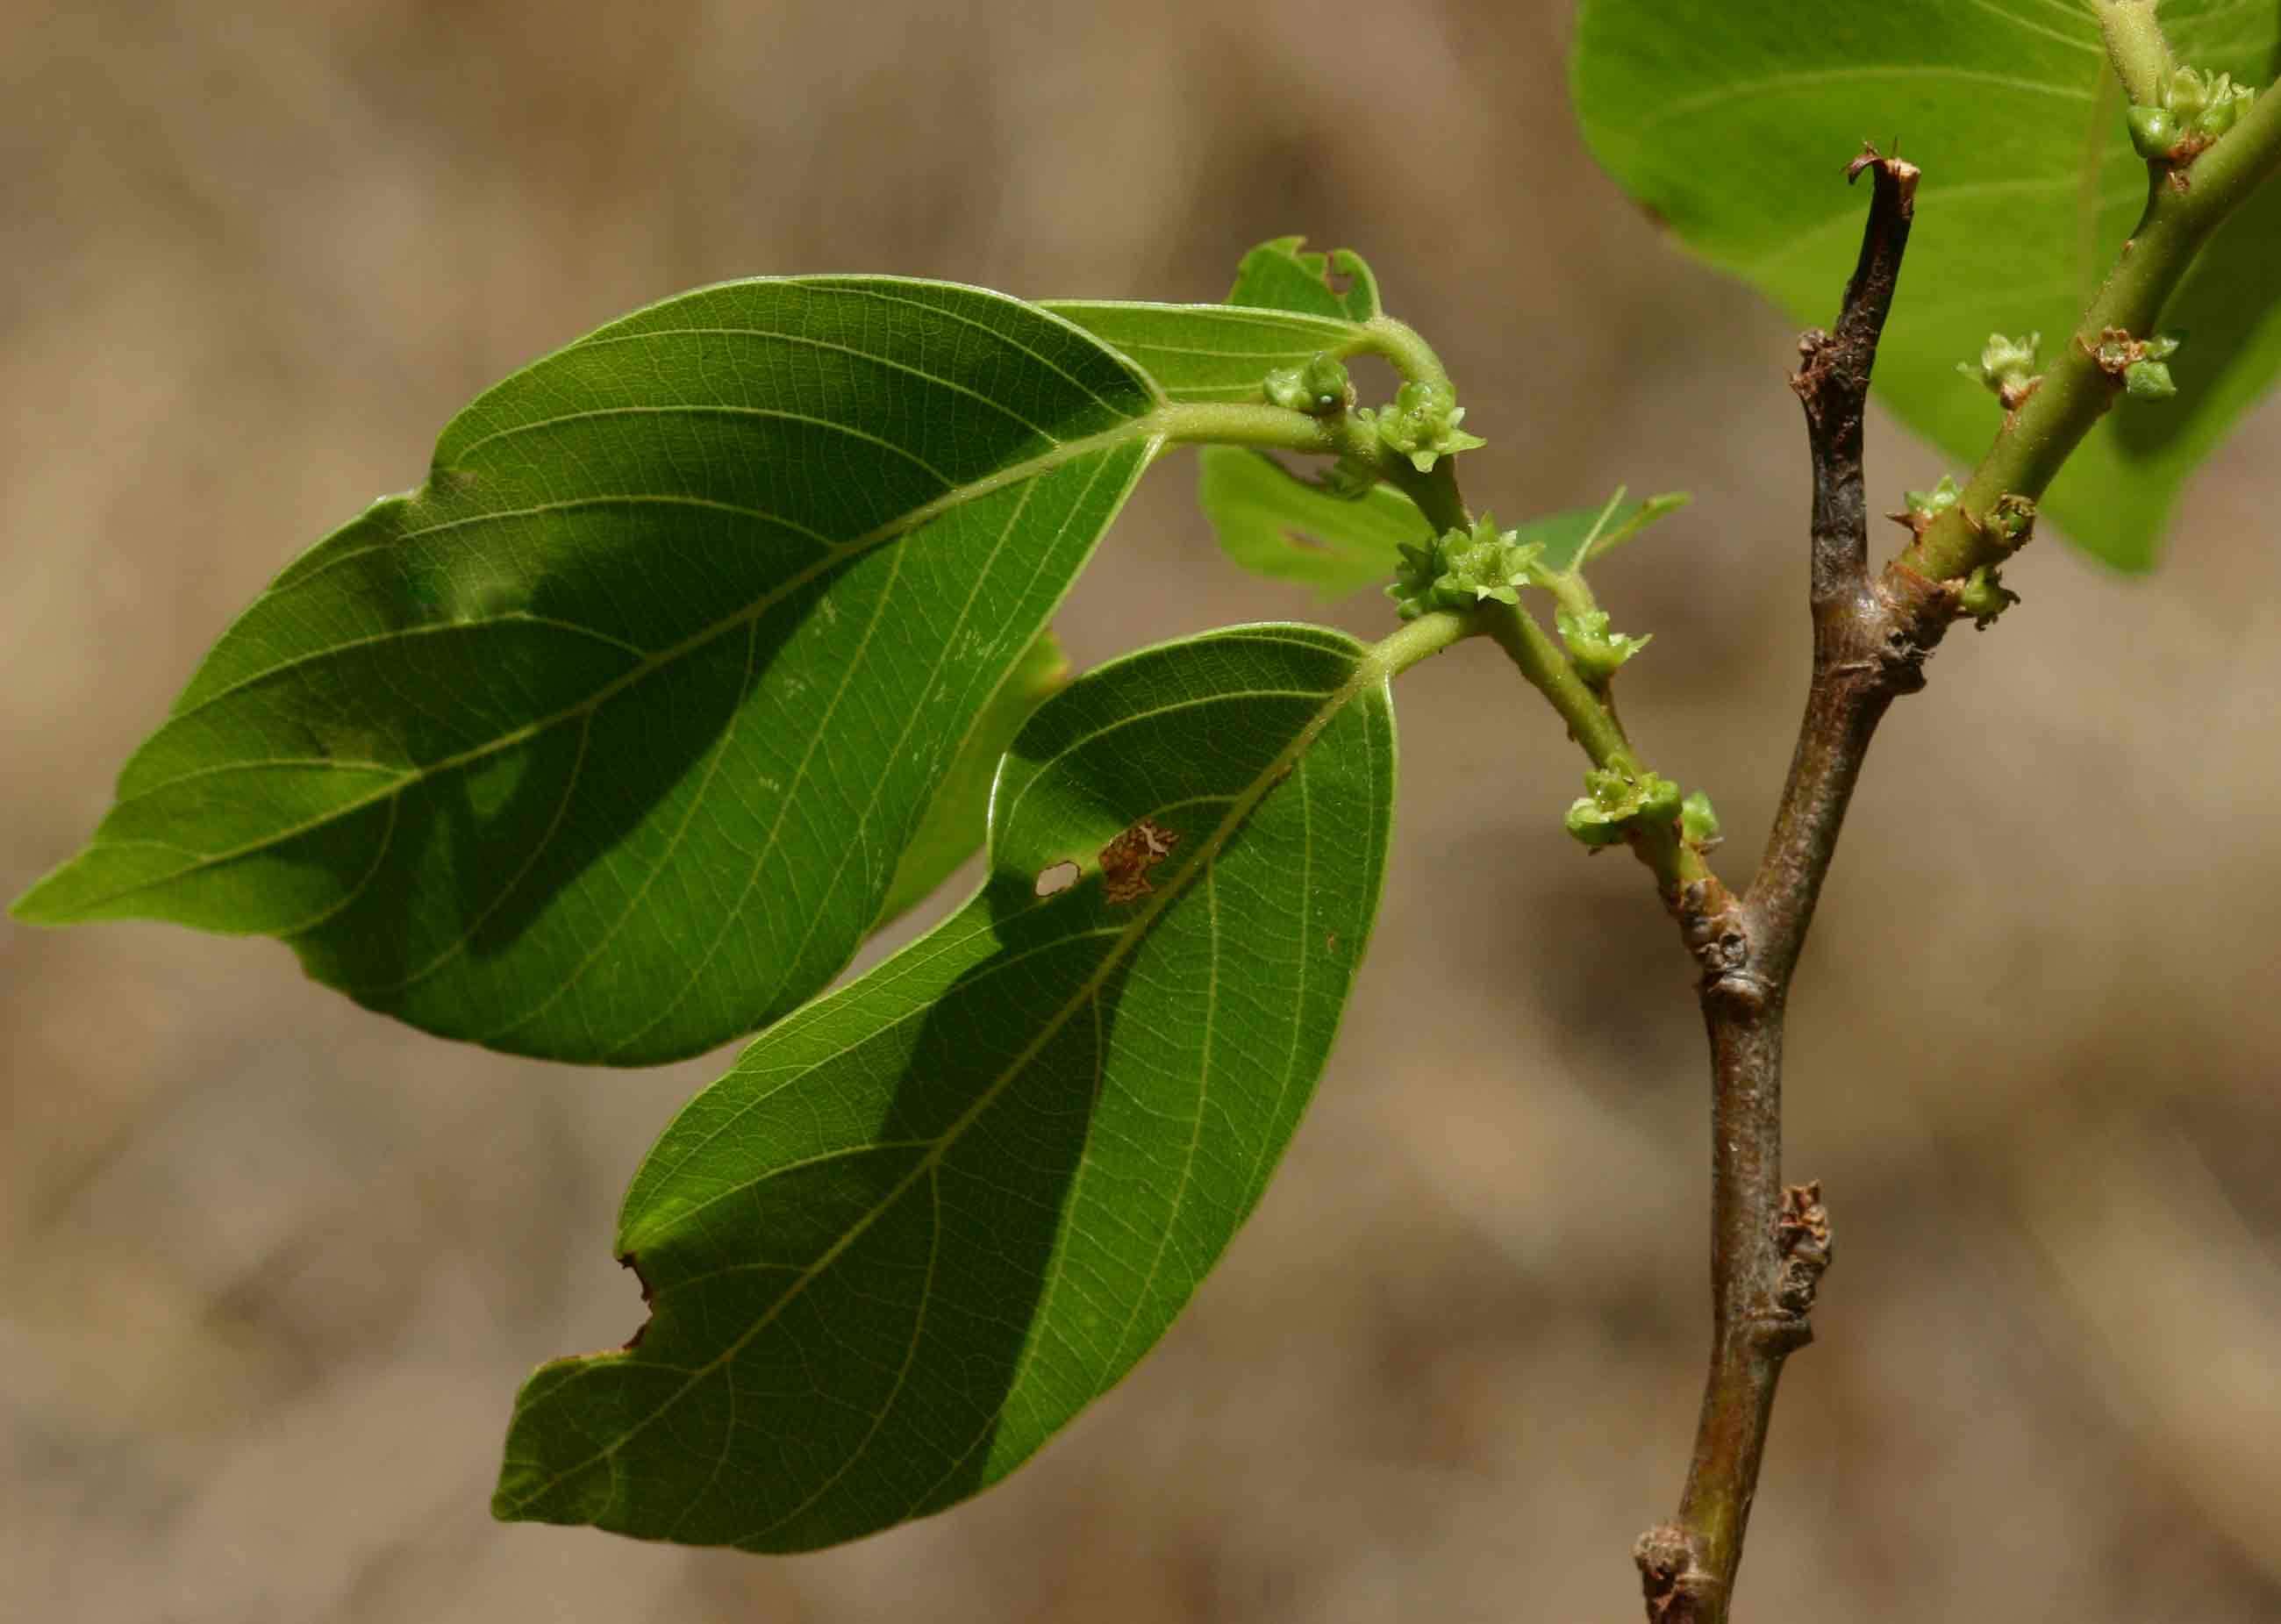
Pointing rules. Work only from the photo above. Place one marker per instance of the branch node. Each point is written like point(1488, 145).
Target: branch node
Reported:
point(1716, 929)
point(1678, 1588)
point(1802, 1235)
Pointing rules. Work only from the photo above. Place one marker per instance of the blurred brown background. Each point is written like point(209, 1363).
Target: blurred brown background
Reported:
point(274, 1267)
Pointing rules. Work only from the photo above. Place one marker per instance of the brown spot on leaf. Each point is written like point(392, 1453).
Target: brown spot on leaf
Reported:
point(1125, 860)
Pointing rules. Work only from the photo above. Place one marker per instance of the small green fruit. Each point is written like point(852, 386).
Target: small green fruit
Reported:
point(2154, 131)
point(1319, 388)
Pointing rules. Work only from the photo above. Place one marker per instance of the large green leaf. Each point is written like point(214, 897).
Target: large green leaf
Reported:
point(604, 744)
point(928, 1218)
point(959, 814)
point(1732, 123)
point(1279, 526)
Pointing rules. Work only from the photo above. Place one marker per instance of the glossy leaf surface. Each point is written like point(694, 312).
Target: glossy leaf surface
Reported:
point(1733, 124)
point(931, 1217)
point(605, 743)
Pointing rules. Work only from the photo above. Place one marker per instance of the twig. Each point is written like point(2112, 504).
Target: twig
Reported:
point(1770, 1241)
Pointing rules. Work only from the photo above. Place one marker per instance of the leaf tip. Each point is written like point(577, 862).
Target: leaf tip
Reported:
point(47, 901)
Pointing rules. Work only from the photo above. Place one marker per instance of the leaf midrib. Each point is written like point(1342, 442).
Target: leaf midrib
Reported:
point(1366, 671)
point(1148, 426)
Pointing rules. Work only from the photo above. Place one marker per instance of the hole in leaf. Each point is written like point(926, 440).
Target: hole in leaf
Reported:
point(1056, 880)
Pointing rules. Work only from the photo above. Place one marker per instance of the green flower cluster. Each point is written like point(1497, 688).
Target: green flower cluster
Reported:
point(1983, 596)
point(2193, 111)
point(1422, 425)
point(2006, 368)
point(1597, 652)
point(2012, 520)
point(1613, 802)
point(1458, 569)
point(2141, 363)
point(1923, 507)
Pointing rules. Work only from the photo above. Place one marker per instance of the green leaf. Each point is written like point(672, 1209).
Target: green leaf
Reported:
point(1279, 276)
point(1565, 536)
point(1278, 525)
point(929, 1218)
point(605, 743)
point(1732, 124)
point(1212, 352)
point(1289, 314)
point(956, 820)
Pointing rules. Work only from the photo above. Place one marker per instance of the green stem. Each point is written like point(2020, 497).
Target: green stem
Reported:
point(1421, 640)
point(2136, 46)
point(1411, 356)
point(1273, 428)
point(1592, 724)
point(1435, 493)
point(2076, 392)
point(1270, 428)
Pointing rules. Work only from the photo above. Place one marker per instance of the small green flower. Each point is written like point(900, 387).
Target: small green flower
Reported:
point(2006, 368)
point(2138, 362)
point(2208, 103)
point(1490, 562)
point(1458, 569)
point(1597, 652)
point(1422, 425)
point(1320, 388)
point(1983, 596)
point(2224, 109)
point(1613, 803)
point(1698, 822)
point(2011, 520)
point(1414, 589)
point(1923, 507)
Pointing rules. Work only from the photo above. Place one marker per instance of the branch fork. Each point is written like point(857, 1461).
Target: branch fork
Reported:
point(1771, 1241)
